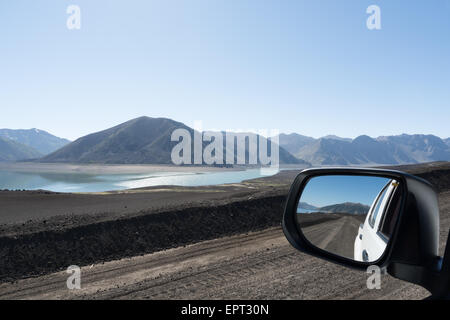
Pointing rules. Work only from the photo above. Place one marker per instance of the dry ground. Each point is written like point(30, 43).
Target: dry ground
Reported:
point(253, 265)
point(260, 265)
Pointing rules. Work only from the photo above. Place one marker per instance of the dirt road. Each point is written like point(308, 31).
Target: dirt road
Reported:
point(255, 266)
point(259, 265)
point(337, 236)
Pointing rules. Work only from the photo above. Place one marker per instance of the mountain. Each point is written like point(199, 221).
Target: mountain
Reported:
point(285, 157)
point(334, 137)
point(13, 151)
point(306, 206)
point(421, 148)
point(347, 207)
point(142, 140)
point(364, 150)
point(39, 140)
point(294, 142)
point(447, 141)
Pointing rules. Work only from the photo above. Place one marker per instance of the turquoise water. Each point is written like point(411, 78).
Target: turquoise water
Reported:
point(78, 182)
point(301, 210)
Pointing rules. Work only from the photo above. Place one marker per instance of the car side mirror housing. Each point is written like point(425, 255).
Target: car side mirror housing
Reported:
point(358, 217)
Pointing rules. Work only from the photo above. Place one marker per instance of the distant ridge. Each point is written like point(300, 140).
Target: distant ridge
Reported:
point(142, 140)
point(347, 207)
point(294, 142)
point(364, 150)
point(13, 151)
point(40, 140)
point(146, 140)
point(307, 206)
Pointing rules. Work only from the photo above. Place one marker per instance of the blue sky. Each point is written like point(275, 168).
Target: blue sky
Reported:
point(328, 190)
point(310, 67)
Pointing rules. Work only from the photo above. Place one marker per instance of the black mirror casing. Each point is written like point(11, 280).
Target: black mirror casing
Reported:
point(412, 252)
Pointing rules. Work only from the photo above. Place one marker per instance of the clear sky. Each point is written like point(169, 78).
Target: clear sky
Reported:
point(328, 190)
point(310, 67)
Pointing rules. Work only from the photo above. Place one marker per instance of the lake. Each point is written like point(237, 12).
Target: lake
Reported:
point(82, 182)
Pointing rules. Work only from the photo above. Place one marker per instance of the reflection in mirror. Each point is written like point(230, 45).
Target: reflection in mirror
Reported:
point(350, 216)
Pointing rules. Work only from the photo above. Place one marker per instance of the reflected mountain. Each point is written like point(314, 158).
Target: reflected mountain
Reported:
point(346, 207)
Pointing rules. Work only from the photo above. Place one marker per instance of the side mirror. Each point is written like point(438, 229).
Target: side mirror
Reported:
point(363, 217)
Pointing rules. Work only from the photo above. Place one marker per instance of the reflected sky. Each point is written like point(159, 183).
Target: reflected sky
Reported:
point(328, 190)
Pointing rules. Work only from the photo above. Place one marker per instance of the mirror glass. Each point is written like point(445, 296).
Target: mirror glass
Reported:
point(350, 216)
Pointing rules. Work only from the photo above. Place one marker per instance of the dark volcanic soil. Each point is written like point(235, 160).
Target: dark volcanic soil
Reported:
point(42, 232)
point(438, 173)
point(36, 237)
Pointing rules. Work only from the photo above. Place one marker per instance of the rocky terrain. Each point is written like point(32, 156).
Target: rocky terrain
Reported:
point(226, 244)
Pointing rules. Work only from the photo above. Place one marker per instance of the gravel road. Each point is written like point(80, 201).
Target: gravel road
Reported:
point(260, 265)
point(216, 259)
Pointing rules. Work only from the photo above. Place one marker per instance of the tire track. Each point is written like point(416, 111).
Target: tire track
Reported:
point(33, 286)
point(260, 265)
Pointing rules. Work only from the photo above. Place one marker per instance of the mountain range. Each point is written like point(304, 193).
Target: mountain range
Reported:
point(447, 141)
point(307, 206)
point(148, 141)
point(27, 144)
point(364, 150)
point(142, 140)
point(11, 150)
point(346, 207)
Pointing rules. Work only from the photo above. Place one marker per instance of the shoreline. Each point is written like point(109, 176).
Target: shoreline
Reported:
point(44, 232)
point(101, 178)
point(31, 167)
